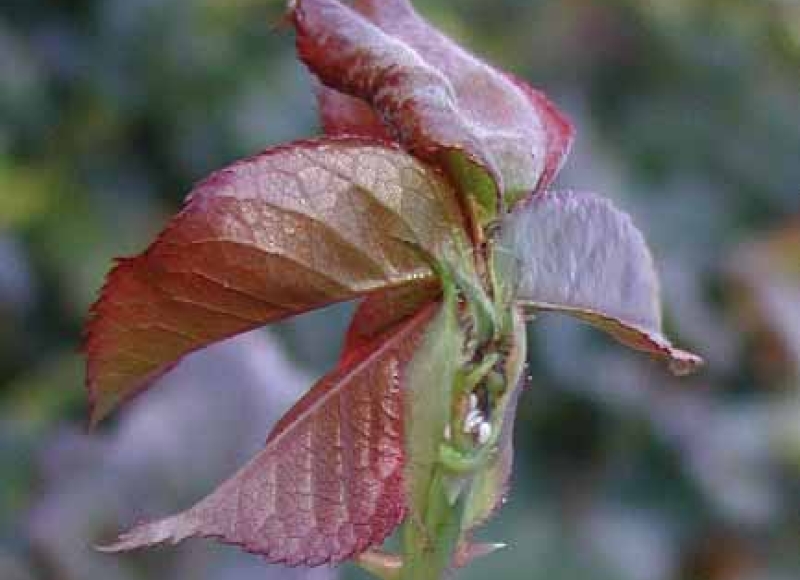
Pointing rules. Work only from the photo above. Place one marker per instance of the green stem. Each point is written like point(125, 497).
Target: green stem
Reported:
point(429, 544)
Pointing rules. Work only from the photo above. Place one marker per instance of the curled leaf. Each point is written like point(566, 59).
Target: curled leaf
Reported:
point(329, 483)
point(560, 132)
point(581, 256)
point(442, 103)
point(287, 231)
point(343, 115)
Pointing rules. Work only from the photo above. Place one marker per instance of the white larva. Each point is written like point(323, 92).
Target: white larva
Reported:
point(473, 419)
point(484, 433)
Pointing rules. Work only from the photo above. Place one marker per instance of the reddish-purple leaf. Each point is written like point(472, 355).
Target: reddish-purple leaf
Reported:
point(343, 115)
point(442, 103)
point(284, 232)
point(329, 483)
point(380, 311)
point(560, 132)
point(580, 255)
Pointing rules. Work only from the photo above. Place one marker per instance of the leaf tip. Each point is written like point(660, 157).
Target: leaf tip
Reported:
point(98, 409)
point(683, 363)
point(170, 530)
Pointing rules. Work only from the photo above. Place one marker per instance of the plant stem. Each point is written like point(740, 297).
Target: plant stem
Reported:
point(429, 544)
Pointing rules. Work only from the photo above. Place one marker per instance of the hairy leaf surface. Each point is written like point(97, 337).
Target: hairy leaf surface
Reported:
point(329, 483)
point(289, 230)
point(442, 103)
point(580, 255)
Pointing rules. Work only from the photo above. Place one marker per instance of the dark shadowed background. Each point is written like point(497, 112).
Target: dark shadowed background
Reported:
point(688, 116)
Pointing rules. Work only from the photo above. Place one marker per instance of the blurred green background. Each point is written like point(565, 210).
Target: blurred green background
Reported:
point(688, 115)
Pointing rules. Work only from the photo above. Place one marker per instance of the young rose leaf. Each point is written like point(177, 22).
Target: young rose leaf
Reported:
point(289, 230)
point(329, 483)
point(580, 255)
point(442, 103)
point(560, 132)
point(398, 18)
point(381, 311)
point(343, 115)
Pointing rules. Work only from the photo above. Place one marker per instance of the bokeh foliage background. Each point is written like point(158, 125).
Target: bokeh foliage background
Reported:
point(688, 115)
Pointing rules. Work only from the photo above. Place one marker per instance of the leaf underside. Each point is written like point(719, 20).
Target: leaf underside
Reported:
point(343, 115)
point(292, 229)
point(581, 256)
point(329, 483)
point(440, 102)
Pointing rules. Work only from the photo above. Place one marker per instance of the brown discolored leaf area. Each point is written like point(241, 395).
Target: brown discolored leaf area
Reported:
point(580, 255)
point(329, 483)
point(438, 100)
point(289, 230)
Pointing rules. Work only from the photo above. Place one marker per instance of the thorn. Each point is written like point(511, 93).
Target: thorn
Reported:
point(468, 552)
